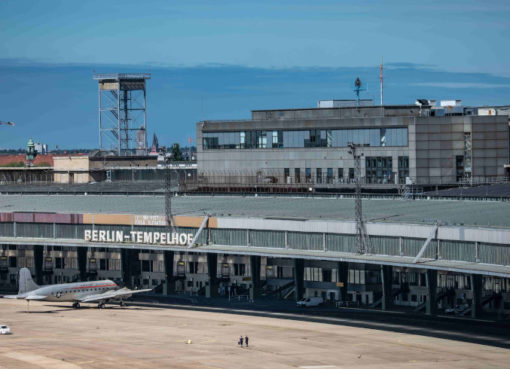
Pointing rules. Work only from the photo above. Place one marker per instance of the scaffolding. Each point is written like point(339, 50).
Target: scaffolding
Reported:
point(122, 113)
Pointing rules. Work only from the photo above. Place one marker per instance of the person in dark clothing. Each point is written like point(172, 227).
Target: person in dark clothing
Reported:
point(241, 341)
point(246, 340)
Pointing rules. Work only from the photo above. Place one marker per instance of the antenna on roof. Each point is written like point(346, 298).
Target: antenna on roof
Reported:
point(382, 62)
point(358, 89)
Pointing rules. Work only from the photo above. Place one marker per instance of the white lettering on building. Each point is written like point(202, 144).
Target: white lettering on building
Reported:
point(150, 238)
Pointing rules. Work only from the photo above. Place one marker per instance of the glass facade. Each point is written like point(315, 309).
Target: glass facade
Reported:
point(403, 169)
point(373, 137)
point(379, 169)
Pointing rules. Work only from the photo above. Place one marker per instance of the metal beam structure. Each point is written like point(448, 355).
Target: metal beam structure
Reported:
point(202, 226)
point(433, 235)
point(362, 240)
point(122, 112)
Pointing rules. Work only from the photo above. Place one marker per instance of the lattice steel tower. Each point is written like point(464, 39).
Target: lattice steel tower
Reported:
point(122, 115)
point(362, 239)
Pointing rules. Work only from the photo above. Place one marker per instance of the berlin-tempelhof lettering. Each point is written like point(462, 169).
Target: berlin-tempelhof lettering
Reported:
point(158, 238)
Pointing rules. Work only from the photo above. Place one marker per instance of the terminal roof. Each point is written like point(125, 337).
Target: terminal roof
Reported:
point(469, 213)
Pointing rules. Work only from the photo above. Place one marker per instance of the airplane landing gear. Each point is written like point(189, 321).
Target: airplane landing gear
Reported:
point(100, 305)
point(76, 305)
point(122, 304)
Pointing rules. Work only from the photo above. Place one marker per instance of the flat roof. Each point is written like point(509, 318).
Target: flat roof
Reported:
point(495, 214)
point(345, 107)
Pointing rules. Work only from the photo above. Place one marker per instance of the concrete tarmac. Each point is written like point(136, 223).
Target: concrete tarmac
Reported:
point(56, 336)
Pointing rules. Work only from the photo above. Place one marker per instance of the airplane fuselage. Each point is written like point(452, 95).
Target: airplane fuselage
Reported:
point(74, 291)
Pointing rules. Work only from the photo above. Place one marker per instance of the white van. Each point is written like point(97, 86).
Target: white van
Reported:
point(4, 329)
point(310, 301)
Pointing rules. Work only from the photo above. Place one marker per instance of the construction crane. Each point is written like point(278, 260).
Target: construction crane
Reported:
point(6, 123)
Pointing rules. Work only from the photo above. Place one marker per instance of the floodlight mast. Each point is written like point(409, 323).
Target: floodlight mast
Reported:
point(168, 193)
point(362, 241)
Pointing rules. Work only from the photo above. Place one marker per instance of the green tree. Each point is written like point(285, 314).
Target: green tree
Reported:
point(175, 149)
point(18, 164)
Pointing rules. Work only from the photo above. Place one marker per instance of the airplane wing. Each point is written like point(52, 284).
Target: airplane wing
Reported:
point(11, 297)
point(121, 294)
point(35, 297)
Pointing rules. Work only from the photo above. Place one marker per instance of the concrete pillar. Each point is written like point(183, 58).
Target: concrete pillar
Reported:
point(82, 262)
point(476, 287)
point(343, 278)
point(299, 273)
point(255, 276)
point(386, 281)
point(38, 264)
point(130, 266)
point(431, 303)
point(211, 290)
point(169, 287)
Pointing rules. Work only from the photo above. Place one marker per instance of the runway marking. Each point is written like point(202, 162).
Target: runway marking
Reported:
point(42, 361)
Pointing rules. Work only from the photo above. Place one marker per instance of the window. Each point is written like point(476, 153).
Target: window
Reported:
point(297, 175)
point(340, 175)
point(240, 269)
point(261, 139)
point(356, 276)
point(459, 165)
point(351, 173)
point(242, 140)
point(329, 175)
point(379, 169)
point(375, 137)
point(12, 262)
point(103, 264)
point(146, 265)
point(308, 175)
point(193, 267)
point(286, 175)
point(319, 175)
point(313, 274)
point(326, 275)
point(59, 264)
point(403, 169)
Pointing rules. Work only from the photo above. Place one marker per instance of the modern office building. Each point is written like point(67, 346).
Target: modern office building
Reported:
point(423, 144)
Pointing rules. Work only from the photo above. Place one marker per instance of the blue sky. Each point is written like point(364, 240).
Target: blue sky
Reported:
point(239, 56)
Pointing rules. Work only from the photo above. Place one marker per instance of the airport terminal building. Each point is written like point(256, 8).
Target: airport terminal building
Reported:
point(281, 248)
point(422, 144)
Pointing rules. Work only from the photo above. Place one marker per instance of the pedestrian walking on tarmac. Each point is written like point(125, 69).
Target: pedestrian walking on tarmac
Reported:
point(241, 341)
point(246, 340)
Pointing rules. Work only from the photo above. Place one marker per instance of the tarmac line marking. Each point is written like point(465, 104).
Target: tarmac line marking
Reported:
point(42, 361)
point(318, 366)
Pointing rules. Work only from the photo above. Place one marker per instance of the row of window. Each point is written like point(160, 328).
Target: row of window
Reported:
point(378, 170)
point(373, 137)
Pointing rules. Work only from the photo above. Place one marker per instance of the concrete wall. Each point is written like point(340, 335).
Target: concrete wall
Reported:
point(71, 169)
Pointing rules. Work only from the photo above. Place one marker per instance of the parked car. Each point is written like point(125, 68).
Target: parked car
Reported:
point(4, 329)
point(310, 301)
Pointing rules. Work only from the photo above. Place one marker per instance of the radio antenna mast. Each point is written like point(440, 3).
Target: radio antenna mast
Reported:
point(382, 62)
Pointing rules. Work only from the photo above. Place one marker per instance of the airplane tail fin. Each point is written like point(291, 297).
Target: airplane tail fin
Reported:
point(26, 283)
